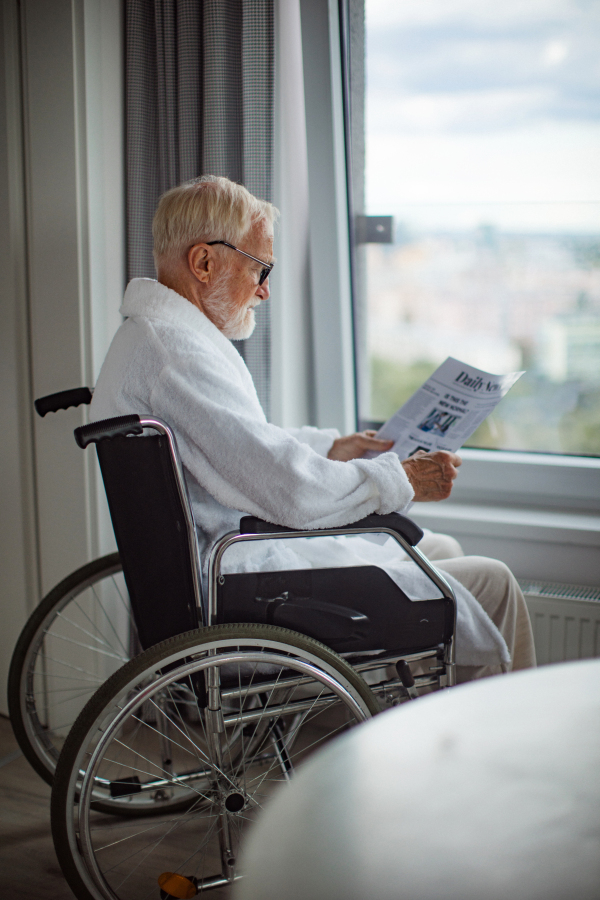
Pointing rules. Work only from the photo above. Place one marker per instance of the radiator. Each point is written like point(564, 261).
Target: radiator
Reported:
point(565, 620)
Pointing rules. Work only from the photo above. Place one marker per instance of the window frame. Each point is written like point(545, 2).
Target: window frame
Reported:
point(333, 387)
point(518, 479)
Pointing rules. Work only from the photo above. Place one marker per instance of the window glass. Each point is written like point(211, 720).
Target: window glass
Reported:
point(482, 140)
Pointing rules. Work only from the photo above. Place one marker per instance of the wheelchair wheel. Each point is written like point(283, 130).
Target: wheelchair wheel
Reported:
point(225, 713)
point(80, 633)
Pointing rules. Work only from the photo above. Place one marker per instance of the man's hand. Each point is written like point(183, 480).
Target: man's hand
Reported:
point(431, 474)
point(354, 446)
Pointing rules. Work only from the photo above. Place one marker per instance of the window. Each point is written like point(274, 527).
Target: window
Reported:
point(481, 132)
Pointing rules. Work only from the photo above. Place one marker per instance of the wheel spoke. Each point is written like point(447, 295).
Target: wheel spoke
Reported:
point(108, 620)
point(203, 753)
point(97, 650)
point(168, 776)
point(98, 636)
point(61, 662)
point(276, 761)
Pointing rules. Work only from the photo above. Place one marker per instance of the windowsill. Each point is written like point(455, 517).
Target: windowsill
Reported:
point(483, 520)
point(552, 544)
point(517, 457)
point(529, 481)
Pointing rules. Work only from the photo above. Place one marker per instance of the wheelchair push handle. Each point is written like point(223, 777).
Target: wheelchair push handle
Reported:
point(403, 526)
point(107, 428)
point(62, 400)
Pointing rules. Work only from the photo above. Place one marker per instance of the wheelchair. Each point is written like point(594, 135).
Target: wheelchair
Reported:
point(237, 681)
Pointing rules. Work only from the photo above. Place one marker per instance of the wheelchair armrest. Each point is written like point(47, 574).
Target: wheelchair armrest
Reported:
point(403, 526)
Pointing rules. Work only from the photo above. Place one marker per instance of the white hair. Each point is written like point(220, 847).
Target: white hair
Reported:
point(209, 208)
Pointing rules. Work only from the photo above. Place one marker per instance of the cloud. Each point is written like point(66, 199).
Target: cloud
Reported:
point(487, 108)
point(386, 14)
point(523, 170)
point(555, 52)
point(476, 65)
point(467, 111)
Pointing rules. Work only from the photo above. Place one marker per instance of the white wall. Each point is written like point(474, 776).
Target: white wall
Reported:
point(18, 546)
point(61, 178)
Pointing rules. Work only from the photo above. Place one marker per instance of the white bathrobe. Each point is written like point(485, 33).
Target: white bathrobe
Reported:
point(169, 360)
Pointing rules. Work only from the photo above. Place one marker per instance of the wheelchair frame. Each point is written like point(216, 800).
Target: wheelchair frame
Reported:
point(303, 665)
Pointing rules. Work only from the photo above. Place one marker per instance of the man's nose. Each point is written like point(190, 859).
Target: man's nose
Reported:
point(263, 291)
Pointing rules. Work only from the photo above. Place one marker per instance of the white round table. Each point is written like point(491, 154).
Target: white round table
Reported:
point(488, 791)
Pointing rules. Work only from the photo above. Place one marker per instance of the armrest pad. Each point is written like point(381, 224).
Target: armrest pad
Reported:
point(403, 526)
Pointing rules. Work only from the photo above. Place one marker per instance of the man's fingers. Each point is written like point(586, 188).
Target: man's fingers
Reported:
point(440, 456)
point(448, 462)
point(453, 458)
point(354, 446)
point(431, 475)
point(441, 465)
point(449, 470)
point(373, 443)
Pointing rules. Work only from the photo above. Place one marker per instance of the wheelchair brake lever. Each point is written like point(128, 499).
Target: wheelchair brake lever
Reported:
point(406, 677)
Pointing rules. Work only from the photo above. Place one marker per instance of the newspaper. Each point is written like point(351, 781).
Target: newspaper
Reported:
point(446, 410)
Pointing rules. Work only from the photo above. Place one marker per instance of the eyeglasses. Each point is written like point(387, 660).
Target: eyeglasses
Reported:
point(264, 272)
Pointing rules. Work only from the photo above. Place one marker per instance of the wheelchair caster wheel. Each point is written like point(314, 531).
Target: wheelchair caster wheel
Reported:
point(172, 885)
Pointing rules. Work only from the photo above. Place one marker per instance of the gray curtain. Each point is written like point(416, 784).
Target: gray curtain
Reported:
point(199, 100)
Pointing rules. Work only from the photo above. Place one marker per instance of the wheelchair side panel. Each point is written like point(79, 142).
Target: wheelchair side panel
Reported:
point(351, 609)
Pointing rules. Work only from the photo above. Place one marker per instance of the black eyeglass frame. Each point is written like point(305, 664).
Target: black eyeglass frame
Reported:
point(264, 272)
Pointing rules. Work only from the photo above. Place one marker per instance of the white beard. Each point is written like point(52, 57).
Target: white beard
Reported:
point(236, 323)
point(241, 325)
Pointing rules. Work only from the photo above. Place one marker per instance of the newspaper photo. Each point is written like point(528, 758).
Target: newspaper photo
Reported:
point(446, 410)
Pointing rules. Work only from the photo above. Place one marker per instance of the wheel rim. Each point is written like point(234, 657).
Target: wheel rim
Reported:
point(308, 706)
point(81, 641)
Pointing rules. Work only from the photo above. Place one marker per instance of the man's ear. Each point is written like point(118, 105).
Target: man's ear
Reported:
point(201, 262)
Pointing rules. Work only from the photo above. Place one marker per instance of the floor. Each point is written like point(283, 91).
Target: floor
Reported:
point(28, 866)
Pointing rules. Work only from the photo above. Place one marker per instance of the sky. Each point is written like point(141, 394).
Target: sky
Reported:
point(479, 110)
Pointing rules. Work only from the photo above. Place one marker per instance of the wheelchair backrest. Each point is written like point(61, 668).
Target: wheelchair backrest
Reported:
point(153, 524)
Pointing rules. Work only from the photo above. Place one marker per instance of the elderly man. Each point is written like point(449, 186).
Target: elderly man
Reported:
point(173, 358)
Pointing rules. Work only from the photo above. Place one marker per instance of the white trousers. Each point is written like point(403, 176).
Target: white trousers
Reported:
point(492, 583)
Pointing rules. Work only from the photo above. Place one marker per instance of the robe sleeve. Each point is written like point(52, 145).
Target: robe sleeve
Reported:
point(250, 465)
point(320, 439)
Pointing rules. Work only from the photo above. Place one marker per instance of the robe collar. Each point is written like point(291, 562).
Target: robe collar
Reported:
point(147, 298)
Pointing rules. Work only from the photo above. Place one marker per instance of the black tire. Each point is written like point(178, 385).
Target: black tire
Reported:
point(282, 694)
point(38, 739)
